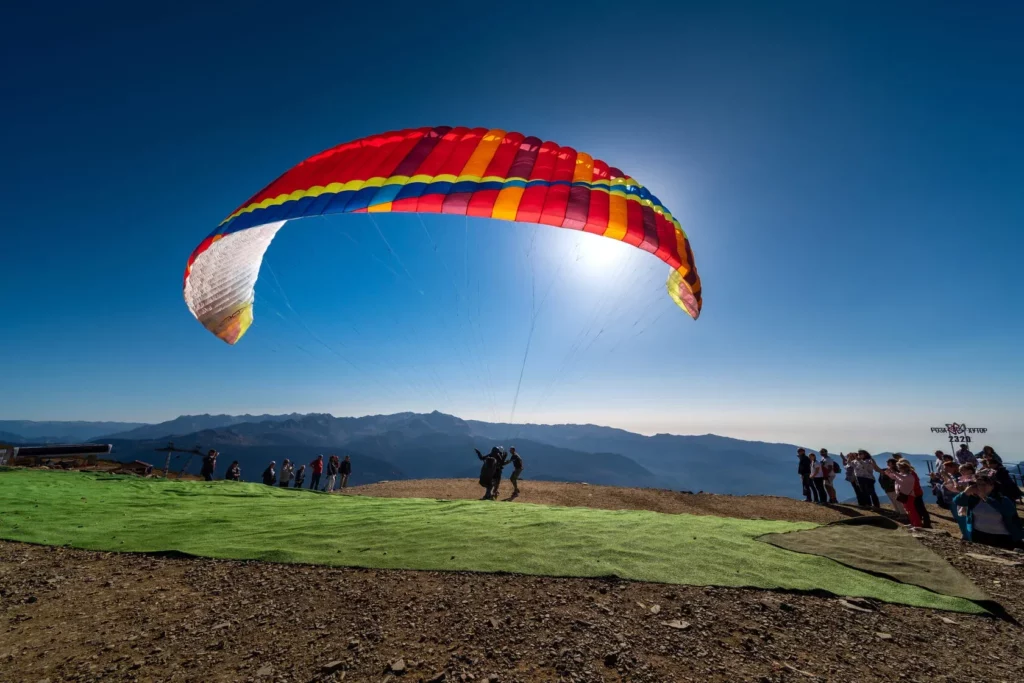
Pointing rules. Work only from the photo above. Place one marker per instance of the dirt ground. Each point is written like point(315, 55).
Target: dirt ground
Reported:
point(658, 500)
point(70, 615)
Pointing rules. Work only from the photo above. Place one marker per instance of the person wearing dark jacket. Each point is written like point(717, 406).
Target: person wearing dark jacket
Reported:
point(346, 469)
point(318, 469)
point(269, 475)
point(803, 468)
point(300, 477)
point(990, 453)
point(517, 469)
point(333, 464)
point(1005, 484)
point(487, 470)
point(209, 464)
point(499, 464)
point(234, 472)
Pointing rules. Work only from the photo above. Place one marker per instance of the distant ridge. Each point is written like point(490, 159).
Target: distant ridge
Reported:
point(438, 445)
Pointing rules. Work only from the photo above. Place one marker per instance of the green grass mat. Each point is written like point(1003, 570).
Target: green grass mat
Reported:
point(250, 521)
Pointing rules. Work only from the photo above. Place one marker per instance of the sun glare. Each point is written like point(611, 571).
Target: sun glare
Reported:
point(601, 253)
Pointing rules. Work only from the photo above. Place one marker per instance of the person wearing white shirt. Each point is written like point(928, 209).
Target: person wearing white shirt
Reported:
point(817, 481)
point(829, 467)
point(865, 468)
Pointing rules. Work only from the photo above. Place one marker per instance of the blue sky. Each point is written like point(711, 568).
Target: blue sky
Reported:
point(849, 174)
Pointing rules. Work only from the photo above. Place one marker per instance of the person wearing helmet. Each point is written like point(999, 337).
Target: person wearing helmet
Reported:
point(487, 470)
point(502, 460)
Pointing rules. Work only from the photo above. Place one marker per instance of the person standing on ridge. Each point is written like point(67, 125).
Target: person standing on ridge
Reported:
point(300, 477)
point(818, 481)
point(803, 468)
point(964, 456)
point(287, 472)
point(904, 477)
point(487, 470)
point(888, 483)
point(517, 469)
point(209, 464)
point(831, 469)
point(346, 469)
point(850, 463)
point(866, 469)
point(990, 453)
point(234, 472)
point(922, 510)
point(269, 476)
point(499, 465)
point(332, 472)
point(318, 469)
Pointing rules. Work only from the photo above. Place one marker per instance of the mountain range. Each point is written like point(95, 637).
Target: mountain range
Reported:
point(55, 432)
point(437, 445)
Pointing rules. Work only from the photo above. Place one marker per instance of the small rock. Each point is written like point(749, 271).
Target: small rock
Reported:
point(438, 678)
point(225, 624)
point(856, 605)
point(494, 622)
point(790, 667)
point(655, 609)
point(265, 671)
point(398, 666)
point(947, 620)
point(884, 636)
point(677, 624)
point(995, 560)
point(331, 667)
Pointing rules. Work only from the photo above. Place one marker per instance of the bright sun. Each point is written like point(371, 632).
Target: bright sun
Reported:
point(601, 253)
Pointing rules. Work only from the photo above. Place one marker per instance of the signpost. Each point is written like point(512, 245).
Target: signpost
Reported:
point(958, 432)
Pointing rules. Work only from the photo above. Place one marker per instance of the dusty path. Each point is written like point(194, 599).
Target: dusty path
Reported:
point(614, 498)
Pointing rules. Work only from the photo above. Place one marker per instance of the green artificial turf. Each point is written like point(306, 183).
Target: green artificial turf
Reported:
point(250, 521)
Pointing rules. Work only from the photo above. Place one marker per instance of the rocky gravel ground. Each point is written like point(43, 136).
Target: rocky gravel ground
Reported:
point(72, 615)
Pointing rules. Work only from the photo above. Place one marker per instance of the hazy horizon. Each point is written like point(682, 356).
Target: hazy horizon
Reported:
point(836, 439)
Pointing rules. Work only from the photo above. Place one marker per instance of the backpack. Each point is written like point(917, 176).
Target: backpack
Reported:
point(836, 468)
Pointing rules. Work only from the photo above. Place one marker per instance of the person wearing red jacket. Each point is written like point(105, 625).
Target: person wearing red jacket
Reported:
point(318, 469)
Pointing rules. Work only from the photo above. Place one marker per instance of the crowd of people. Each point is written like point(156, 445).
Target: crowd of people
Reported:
point(977, 490)
point(491, 469)
point(338, 471)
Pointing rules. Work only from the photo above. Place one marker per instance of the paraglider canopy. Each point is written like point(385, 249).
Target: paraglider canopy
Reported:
point(462, 171)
